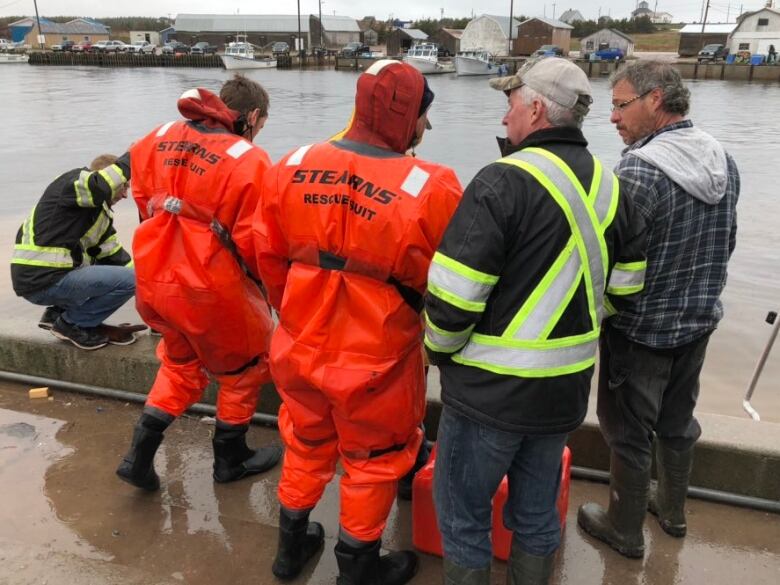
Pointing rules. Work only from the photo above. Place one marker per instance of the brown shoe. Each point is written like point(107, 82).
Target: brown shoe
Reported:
point(118, 335)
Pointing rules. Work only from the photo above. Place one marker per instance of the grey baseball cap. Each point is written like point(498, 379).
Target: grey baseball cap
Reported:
point(555, 78)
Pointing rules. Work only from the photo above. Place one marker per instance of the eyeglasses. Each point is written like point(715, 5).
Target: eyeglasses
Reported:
point(623, 105)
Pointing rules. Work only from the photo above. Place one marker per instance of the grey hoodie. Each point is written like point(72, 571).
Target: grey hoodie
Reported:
point(691, 158)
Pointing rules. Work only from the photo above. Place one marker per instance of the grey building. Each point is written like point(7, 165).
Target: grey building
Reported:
point(610, 37)
point(401, 39)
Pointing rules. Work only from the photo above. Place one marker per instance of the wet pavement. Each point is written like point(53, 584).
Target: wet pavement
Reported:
point(65, 518)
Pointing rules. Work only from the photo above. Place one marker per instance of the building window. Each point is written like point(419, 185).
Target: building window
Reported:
point(763, 22)
point(744, 47)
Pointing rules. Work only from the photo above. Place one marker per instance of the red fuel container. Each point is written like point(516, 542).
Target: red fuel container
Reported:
point(425, 530)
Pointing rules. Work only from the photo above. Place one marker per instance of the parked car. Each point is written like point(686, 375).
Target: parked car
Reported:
point(175, 48)
point(280, 48)
point(355, 49)
point(548, 51)
point(109, 47)
point(142, 47)
point(5, 45)
point(63, 46)
point(203, 48)
point(712, 52)
point(606, 54)
point(82, 47)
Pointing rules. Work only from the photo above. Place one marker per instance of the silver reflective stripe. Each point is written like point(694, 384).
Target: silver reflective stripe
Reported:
point(113, 177)
point(164, 128)
point(452, 282)
point(96, 232)
point(529, 358)
point(603, 202)
point(377, 66)
point(415, 181)
point(446, 343)
point(239, 148)
point(559, 288)
point(172, 205)
point(592, 239)
point(42, 257)
point(626, 278)
point(110, 247)
point(83, 194)
point(296, 157)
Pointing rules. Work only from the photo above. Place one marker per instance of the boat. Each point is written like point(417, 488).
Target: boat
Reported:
point(14, 58)
point(475, 62)
point(240, 54)
point(425, 58)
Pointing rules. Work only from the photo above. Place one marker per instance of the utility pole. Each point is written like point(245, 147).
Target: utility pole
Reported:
point(728, 12)
point(704, 22)
point(298, 40)
point(553, 10)
point(41, 38)
point(511, 24)
point(320, 3)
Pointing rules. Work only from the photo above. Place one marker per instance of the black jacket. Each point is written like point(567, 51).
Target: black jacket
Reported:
point(81, 222)
point(509, 225)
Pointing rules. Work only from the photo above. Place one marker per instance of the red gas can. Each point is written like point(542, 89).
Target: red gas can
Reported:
point(425, 530)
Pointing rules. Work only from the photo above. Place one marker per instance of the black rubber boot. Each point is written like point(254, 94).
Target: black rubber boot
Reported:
point(457, 575)
point(621, 525)
point(234, 460)
point(405, 483)
point(363, 565)
point(299, 541)
point(527, 569)
point(137, 467)
point(667, 501)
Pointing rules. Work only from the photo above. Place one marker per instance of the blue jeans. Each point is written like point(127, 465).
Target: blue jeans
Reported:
point(471, 460)
point(90, 294)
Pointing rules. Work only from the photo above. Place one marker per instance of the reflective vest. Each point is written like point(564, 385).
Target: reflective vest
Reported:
point(524, 349)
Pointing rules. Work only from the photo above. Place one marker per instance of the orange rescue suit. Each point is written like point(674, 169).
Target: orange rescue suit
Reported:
point(344, 232)
point(196, 185)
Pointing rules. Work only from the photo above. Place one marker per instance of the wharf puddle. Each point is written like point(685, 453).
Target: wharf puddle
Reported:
point(66, 518)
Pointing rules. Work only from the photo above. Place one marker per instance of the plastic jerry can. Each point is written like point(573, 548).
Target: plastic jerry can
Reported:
point(425, 530)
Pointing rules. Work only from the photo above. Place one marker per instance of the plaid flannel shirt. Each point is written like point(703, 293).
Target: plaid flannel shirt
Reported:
point(689, 245)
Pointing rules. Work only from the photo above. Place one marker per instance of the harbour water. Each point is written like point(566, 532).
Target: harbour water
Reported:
point(55, 119)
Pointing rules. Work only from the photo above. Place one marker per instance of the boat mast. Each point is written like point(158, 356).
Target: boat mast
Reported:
point(40, 32)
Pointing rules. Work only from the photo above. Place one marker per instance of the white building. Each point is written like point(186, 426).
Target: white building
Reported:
point(755, 31)
point(151, 36)
point(614, 39)
point(571, 16)
point(661, 18)
point(490, 33)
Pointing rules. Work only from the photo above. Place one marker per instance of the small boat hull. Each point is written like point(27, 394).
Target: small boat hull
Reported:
point(429, 67)
point(474, 66)
point(233, 62)
point(13, 58)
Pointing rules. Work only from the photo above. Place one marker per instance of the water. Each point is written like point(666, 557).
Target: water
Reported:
point(55, 119)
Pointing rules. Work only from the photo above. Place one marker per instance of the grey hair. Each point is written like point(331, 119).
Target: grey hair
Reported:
point(646, 75)
point(557, 115)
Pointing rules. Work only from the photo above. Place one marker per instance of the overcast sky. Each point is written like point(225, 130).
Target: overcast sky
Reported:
point(681, 10)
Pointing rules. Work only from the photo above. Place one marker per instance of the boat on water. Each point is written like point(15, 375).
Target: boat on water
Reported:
point(240, 54)
point(475, 62)
point(14, 58)
point(425, 58)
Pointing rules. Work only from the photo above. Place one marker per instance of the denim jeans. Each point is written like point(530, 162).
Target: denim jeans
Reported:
point(645, 391)
point(90, 294)
point(471, 460)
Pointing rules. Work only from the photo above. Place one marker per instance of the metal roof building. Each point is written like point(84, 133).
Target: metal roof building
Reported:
point(78, 29)
point(265, 29)
point(401, 39)
point(692, 39)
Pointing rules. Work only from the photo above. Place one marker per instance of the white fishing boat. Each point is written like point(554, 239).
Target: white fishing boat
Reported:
point(13, 58)
point(475, 62)
point(425, 58)
point(241, 55)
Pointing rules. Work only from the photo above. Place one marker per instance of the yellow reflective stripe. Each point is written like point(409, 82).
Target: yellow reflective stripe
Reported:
point(556, 316)
point(42, 256)
point(444, 341)
point(613, 203)
point(589, 208)
point(526, 372)
point(463, 270)
point(130, 264)
point(564, 205)
point(455, 300)
point(609, 308)
point(114, 177)
point(28, 229)
point(96, 232)
point(627, 278)
point(83, 194)
point(595, 184)
point(541, 289)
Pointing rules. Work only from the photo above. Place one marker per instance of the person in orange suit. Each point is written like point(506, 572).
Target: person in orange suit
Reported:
point(196, 184)
point(344, 235)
